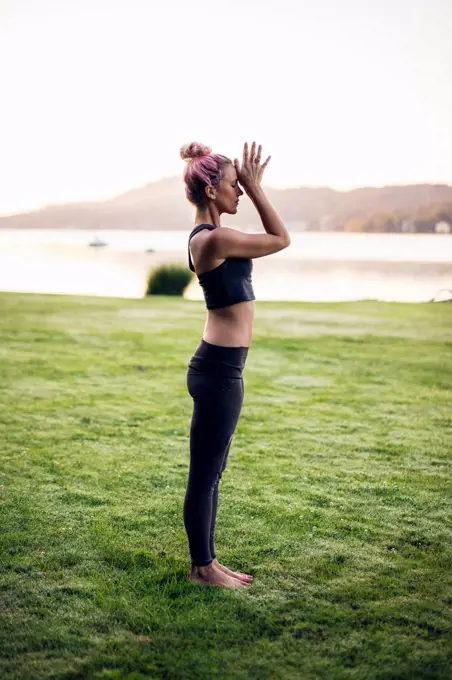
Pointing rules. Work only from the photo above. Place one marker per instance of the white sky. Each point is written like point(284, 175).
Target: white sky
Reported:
point(97, 96)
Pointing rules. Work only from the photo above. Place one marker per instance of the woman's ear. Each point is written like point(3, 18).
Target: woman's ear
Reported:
point(211, 192)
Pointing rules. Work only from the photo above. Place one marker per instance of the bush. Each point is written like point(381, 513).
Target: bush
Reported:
point(168, 279)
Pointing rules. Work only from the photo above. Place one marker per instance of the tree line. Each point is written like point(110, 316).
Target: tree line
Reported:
point(423, 220)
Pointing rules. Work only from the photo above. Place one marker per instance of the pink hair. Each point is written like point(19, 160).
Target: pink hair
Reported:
point(204, 169)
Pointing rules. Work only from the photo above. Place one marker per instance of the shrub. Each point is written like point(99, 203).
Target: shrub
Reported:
point(168, 279)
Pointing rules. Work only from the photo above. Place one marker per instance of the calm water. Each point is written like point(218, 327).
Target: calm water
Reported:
point(317, 266)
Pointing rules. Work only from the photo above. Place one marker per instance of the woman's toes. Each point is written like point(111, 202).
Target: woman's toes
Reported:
point(246, 578)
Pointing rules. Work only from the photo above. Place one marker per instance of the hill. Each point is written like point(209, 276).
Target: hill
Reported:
point(162, 205)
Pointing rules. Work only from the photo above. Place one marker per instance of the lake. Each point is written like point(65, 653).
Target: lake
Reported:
point(326, 266)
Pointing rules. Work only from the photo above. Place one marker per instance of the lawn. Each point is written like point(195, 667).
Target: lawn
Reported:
point(337, 494)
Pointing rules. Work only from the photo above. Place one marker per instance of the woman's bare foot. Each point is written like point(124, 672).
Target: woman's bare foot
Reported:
point(210, 575)
point(246, 578)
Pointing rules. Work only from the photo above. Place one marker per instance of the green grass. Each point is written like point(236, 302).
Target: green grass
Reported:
point(336, 495)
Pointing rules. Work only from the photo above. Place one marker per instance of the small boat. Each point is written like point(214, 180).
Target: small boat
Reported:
point(150, 250)
point(97, 243)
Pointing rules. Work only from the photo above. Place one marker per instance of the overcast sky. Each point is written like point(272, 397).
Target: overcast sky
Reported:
point(97, 96)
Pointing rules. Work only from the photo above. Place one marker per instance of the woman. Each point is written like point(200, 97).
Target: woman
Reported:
point(222, 260)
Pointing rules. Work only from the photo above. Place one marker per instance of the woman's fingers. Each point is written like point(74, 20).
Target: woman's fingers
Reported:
point(264, 165)
point(251, 165)
point(252, 156)
point(253, 152)
point(259, 153)
point(245, 153)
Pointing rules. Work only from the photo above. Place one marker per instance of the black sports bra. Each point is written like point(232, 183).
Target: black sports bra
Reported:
point(227, 284)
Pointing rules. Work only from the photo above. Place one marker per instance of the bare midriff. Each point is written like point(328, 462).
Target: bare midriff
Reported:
point(230, 326)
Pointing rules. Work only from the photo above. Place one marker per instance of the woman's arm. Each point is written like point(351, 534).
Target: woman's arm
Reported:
point(226, 242)
point(271, 221)
point(250, 176)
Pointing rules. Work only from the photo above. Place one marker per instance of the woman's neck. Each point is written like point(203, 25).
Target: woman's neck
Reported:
point(207, 215)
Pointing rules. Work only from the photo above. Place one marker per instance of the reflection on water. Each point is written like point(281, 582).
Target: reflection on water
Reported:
point(317, 267)
point(77, 270)
point(327, 280)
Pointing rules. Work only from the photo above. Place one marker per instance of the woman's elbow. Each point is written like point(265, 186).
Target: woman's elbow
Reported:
point(285, 242)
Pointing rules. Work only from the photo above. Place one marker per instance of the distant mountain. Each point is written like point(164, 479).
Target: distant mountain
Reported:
point(162, 205)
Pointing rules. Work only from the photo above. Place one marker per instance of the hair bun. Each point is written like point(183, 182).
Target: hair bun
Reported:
point(194, 150)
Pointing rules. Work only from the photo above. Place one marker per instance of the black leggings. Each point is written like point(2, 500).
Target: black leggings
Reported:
point(214, 381)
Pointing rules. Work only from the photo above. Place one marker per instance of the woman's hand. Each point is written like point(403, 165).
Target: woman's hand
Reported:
point(250, 174)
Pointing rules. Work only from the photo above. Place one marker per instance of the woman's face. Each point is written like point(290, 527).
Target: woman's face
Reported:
point(228, 191)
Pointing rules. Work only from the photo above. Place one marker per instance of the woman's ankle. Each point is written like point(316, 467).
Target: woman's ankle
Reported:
point(202, 569)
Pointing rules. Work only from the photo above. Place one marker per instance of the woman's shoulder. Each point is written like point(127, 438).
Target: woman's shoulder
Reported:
point(201, 227)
